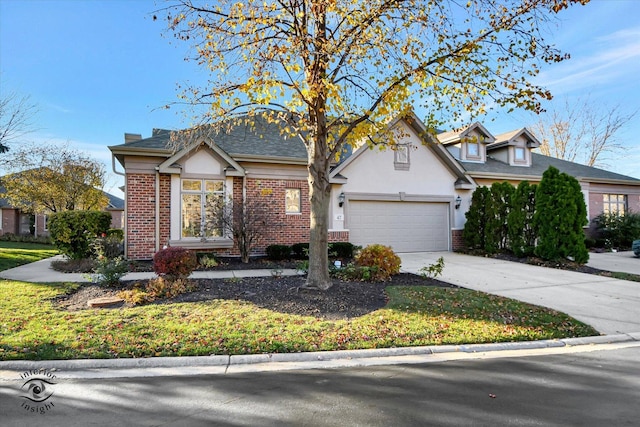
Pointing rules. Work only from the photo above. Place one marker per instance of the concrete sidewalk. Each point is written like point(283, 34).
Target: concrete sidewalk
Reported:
point(611, 306)
point(41, 272)
point(622, 262)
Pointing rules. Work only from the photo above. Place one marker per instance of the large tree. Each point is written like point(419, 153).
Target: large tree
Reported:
point(53, 178)
point(16, 118)
point(335, 72)
point(581, 131)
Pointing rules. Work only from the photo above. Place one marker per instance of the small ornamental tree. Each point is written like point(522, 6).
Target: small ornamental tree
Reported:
point(497, 231)
point(522, 233)
point(474, 229)
point(560, 215)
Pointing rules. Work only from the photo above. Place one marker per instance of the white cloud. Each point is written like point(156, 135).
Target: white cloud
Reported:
point(604, 60)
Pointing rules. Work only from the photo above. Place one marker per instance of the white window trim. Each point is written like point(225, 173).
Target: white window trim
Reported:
point(202, 192)
point(515, 155)
point(477, 156)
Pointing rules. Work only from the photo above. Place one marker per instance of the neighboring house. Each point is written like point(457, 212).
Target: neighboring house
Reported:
point(15, 221)
point(413, 198)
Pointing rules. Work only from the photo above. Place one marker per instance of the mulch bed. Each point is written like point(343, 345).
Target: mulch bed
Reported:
point(344, 300)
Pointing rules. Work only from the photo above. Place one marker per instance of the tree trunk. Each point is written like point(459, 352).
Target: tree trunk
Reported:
point(319, 193)
point(319, 197)
point(318, 161)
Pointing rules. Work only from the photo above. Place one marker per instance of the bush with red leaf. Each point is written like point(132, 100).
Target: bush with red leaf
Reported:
point(174, 263)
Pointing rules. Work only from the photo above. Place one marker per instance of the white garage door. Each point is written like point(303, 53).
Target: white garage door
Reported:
point(405, 226)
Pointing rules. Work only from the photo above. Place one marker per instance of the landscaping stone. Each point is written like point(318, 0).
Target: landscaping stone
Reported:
point(104, 302)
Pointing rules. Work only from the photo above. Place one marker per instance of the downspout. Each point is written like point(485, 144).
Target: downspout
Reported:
point(126, 203)
point(157, 228)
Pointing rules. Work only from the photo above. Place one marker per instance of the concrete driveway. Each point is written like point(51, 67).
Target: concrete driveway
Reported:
point(623, 262)
point(611, 306)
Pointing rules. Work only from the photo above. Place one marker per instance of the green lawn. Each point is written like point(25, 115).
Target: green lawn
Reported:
point(31, 327)
point(13, 254)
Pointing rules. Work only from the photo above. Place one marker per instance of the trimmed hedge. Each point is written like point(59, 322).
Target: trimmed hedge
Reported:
point(278, 252)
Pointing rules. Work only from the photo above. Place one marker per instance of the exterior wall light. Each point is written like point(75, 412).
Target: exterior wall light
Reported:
point(458, 202)
point(341, 199)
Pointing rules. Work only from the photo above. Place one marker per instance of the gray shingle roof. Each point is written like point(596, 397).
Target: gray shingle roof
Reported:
point(114, 201)
point(540, 163)
point(263, 139)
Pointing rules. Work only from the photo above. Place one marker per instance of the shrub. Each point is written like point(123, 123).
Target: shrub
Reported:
point(560, 216)
point(475, 229)
point(432, 270)
point(618, 231)
point(342, 249)
point(160, 288)
point(522, 233)
point(355, 272)
point(174, 263)
point(73, 231)
point(25, 238)
point(116, 233)
point(497, 230)
point(84, 265)
point(107, 246)
point(207, 261)
point(155, 289)
point(300, 250)
point(109, 271)
point(382, 258)
point(278, 252)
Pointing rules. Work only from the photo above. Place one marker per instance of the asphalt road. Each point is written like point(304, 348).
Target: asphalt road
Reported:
point(592, 388)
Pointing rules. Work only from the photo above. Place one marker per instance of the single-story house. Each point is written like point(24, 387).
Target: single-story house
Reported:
point(15, 221)
point(413, 198)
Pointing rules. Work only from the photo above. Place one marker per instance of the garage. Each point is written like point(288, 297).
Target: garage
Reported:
point(405, 226)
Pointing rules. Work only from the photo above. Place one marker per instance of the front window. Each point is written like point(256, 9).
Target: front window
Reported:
point(614, 204)
point(202, 203)
point(519, 154)
point(292, 201)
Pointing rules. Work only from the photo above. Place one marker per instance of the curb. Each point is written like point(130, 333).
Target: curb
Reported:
point(228, 361)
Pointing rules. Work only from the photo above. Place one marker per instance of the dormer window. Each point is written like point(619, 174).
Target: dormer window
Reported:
point(473, 150)
point(519, 154)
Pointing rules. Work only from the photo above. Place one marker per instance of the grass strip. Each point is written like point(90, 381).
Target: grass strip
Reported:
point(14, 254)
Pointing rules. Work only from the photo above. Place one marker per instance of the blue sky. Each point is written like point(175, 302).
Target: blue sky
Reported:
point(98, 69)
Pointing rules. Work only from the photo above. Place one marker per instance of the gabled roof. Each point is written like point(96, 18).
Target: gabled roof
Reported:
point(263, 141)
point(430, 142)
point(496, 169)
point(454, 136)
point(115, 203)
point(509, 138)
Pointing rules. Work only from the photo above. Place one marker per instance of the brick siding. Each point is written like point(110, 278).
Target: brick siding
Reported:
point(457, 243)
point(140, 215)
